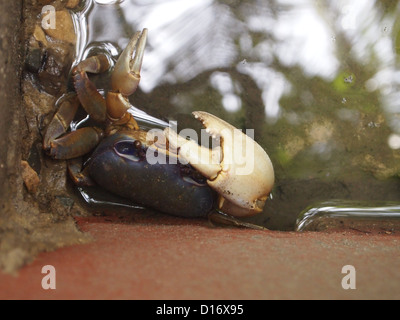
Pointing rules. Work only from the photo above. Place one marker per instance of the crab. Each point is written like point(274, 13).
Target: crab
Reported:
point(235, 178)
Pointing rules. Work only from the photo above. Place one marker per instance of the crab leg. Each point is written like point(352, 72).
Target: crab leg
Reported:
point(79, 142)
point(79, 177)
point(125, 79)
point(91, 100)
point(61, 120)
point(74, 144)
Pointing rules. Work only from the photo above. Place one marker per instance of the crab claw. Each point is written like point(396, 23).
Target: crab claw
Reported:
point(126, 75)
point(239, 169)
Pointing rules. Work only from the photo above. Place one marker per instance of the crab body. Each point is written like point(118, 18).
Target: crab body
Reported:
point(119, 165)
point(235, 178)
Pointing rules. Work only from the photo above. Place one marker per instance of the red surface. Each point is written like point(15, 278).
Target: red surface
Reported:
point(145, 258)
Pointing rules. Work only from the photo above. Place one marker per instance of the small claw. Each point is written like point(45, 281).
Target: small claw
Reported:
point(243, 177)
point(126, 75)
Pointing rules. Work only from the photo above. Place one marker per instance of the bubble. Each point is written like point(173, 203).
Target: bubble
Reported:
point(349, 79)
point(394, 141)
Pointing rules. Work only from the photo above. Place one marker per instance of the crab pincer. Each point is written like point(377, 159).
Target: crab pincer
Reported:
point(126, 76)
point(239, 169)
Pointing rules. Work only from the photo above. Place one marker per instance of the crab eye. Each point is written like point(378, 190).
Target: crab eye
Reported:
point(130, 150)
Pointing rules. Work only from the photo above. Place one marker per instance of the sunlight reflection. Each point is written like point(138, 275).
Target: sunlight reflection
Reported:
point(187, 38)
point(394, 141)
point(304, 38)
point(181, 38)
point(272, 84)
point(222, 82)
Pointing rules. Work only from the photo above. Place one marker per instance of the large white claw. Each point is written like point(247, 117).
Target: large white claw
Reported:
point(239, 170)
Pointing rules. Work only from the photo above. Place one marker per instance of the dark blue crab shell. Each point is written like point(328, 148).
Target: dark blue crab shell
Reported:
point(119, 165)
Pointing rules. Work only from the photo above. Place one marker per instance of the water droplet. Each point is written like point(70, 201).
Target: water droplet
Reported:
point(360, 216)
point(349, 79)
point(373, 124)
